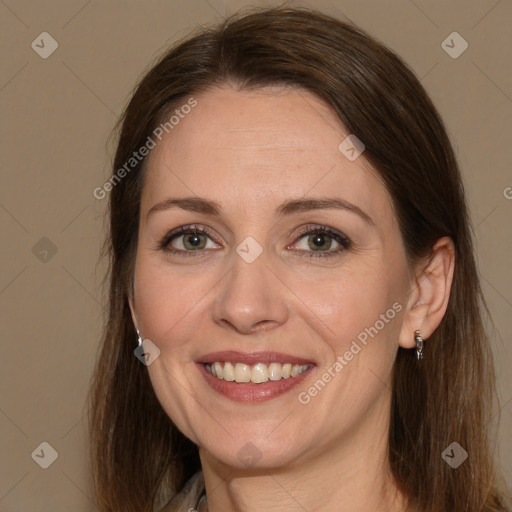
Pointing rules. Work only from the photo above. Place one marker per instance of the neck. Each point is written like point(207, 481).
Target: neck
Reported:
point(351, 475)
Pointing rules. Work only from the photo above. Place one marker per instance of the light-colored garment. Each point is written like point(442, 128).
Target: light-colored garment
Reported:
point(191, 498)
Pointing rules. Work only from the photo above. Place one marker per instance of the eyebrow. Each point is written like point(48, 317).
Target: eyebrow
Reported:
point(201, 205)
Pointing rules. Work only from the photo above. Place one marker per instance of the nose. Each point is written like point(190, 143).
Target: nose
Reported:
point(252, 298)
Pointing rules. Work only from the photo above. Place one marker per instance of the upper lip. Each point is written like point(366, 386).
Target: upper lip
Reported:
point(251, 358)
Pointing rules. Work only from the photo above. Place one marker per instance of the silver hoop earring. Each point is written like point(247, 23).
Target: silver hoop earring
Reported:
point(419, 345)
point(139, 339)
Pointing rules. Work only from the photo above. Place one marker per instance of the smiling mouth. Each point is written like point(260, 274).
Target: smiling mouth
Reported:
point(258, 373)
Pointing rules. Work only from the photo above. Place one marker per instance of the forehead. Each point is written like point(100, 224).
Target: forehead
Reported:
point(268, 144)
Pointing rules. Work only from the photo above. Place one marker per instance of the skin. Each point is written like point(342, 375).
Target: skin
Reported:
point(249, 152)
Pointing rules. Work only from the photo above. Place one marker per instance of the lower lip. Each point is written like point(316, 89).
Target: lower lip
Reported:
point(250, 392)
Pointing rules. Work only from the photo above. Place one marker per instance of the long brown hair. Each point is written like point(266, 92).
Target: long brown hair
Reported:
point(135, 448)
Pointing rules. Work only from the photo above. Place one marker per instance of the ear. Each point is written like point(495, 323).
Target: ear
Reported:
point(430, 293)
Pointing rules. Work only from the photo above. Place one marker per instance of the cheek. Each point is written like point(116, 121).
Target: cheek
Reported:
point(349, 302)
point(166, 303)
point(357, 319)
point(338, 304)
point(357, 316)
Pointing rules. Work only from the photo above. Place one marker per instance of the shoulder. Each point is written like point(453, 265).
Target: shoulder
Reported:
point(188, 497)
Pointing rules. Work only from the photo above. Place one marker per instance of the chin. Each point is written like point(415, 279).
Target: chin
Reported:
point(253, 453)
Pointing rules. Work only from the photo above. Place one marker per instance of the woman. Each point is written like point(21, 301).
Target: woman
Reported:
point(287, 228)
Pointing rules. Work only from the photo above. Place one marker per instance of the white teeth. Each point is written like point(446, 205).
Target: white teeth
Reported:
point(242, 372)
point(296, 369)
point(275, 371)
point(257, 374)
point(286, 371)
point(229, 372)
point(217, 368)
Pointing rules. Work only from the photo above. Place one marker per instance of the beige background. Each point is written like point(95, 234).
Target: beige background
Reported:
point(56, 116)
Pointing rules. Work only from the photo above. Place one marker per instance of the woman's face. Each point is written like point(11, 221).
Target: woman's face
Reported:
point(296, 265)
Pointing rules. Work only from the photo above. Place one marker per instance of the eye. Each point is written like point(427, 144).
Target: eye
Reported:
point(186, 240)
point(313, 241)
point(321, 241)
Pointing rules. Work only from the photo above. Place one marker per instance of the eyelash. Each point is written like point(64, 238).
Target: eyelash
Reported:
point(191, 229)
